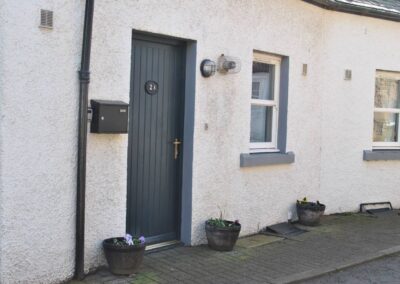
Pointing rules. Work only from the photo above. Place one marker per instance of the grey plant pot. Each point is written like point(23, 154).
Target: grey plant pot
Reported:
point(123, 260)
point(222, 239)
point(310, 213)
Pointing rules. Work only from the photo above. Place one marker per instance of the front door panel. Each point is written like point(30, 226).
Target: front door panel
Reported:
point(155, 132)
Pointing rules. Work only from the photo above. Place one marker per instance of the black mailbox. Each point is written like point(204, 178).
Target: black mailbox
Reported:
point(109, 117)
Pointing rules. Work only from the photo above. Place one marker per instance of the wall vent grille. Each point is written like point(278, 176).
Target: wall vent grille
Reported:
point(46, 19)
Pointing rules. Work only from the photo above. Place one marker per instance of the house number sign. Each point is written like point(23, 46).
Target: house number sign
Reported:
point(151, 87)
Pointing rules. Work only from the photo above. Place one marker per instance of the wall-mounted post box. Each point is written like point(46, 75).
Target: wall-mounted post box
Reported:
point(109, 116)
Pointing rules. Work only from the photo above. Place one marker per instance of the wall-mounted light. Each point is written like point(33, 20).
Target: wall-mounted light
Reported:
point(207, 68)
point(228, 64)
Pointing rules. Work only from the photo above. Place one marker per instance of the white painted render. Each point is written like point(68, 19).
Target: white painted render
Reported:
point(329, 119)
point(347, 107)
point(38, 98)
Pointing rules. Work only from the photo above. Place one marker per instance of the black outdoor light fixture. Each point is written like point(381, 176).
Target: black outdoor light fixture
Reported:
point(207, 68)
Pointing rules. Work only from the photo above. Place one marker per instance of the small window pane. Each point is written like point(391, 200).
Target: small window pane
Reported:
point(387, 93)
point(261, 124)
point(385, 127)
point(263, 81)
point(255, 91)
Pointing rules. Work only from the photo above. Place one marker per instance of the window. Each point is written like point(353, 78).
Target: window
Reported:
point(387, 110)
point(264, 103)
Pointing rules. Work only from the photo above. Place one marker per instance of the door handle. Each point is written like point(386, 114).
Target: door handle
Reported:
point(176, 148)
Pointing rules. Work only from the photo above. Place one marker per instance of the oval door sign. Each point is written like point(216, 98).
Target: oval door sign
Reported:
point(151, 87)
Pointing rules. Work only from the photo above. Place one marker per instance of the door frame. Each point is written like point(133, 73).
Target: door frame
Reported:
point(185, 192)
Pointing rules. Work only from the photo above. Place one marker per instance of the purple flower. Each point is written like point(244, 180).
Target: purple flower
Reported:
point(128, 239)
point(142, 240)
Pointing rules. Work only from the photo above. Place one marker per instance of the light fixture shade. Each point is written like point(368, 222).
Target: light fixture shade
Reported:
point(228, 64)
point(207, 68)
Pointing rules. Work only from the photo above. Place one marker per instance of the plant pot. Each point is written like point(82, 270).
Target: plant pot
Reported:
point(310, 213)
point(123, 260)
point(222, 238)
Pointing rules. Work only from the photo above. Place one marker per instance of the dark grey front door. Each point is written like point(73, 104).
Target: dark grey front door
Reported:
point(155, 138)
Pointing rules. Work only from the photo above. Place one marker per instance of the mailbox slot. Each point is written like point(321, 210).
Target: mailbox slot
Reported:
point(109, 116)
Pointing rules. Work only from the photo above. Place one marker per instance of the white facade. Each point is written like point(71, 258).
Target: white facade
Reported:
point(330, 120)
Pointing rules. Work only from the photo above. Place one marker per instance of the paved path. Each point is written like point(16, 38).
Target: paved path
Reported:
point(340, 241)
point(384, 270)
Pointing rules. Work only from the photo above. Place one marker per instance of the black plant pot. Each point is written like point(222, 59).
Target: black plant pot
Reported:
point(310, 213)
point(222, 239)
point(123, 260)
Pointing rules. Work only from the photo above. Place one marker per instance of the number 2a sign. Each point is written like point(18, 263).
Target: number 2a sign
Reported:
point(151, 87)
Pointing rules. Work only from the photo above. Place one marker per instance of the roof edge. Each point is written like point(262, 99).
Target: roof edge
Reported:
point(353, 9)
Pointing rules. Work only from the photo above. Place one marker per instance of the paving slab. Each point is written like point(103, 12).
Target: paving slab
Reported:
point(257, 241)
point(341, 241)
point(382, 270)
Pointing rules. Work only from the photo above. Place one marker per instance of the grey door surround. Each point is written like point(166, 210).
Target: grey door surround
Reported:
point(161, 138)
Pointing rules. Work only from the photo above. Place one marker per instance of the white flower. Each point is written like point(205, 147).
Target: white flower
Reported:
point(128, 239)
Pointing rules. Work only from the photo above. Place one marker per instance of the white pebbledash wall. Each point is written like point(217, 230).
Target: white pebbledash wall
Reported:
point(38, 129)
point(347, 107)
point(329, 119)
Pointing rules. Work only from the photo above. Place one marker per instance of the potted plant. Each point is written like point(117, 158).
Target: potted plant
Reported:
point(124, 254)
point(222, 234)
point(309, 213)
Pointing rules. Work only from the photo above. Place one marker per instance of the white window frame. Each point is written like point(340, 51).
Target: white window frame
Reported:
point(268, 146)
point(387, 145)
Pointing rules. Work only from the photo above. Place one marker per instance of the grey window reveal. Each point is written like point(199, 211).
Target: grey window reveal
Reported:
point(385, 139)
point(264, 103)
point(280, 90)
point(264, 159)
point(381, 155)
point(386, 111)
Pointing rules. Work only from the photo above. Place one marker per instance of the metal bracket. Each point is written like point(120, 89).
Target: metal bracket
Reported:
point(89, 114)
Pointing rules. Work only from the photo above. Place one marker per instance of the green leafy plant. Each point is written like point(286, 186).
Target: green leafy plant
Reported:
point(221, 222)
point(303, 201)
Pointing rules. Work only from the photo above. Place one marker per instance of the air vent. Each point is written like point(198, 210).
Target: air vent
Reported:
point(46, 19)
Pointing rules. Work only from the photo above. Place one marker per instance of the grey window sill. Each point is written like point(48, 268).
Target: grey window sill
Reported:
point(381, 155)
point(263, 159)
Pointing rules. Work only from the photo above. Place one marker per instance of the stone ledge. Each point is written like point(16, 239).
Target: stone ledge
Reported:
point(381, 155)
point(264, 159)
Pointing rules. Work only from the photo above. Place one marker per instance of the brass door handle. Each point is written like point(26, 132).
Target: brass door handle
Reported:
point(176, 146)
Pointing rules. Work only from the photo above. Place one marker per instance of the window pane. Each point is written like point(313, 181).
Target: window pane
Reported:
point(263, 81)
point(385, 127)
point(255, 90)
point(387, 93)
point(261, 123)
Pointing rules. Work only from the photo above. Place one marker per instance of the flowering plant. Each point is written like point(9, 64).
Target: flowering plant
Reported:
point(128, 240)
